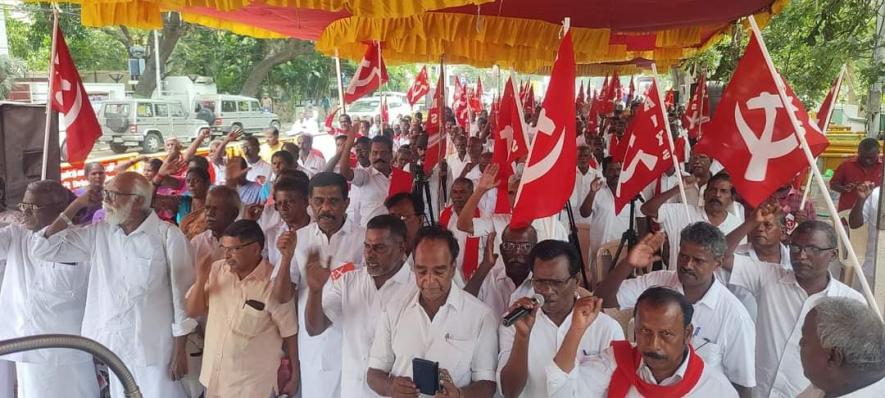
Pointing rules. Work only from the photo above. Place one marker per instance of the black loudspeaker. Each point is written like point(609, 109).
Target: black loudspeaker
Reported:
point(21, 147)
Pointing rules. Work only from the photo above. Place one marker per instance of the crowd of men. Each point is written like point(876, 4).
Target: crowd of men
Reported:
point(281, 273)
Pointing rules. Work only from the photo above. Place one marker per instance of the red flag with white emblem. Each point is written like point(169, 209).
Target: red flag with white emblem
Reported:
point(385, 113)
point(826, 107)
point(698, 111)
point(476, 97)
point(751, 133)
point(579, 102)
point(511, 126)
point(420, 87)
point(370, 75)
point(69, 98)
point(327, 124)
point(549, 175)
point(436, 138)
point(646, 153)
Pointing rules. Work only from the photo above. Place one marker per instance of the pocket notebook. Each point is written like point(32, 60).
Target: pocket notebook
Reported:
point(425, 374)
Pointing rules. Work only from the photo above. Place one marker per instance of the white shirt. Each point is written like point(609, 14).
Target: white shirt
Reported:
point(724, 334)
point(354, 302)
point(40, 297)
point(874, 390)
point(783, 305)
point(745, 296)
point(672, 218)
point(314, 163)
point(373, 189)
point(456, 164)
point(592, 377)
point(259, 169)
point(321, 355)
point(582, 188)
point(605, 224)
point(137, 285)
point(205, 244)
point(462, 337)
point(544, 342)
point(482, 227)
point(498, 291)
point(870, 212)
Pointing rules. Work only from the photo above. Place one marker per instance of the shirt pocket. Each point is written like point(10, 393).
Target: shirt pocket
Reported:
point(459, 348)
point(136, 275)
point(63, 281)
point(250, 322)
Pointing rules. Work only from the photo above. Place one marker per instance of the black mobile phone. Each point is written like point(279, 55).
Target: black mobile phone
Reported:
point(255, 304)
point(425, 374)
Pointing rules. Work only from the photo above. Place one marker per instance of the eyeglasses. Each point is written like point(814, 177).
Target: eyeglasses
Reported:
point(555, 284)
point(810, 250)
point(228, 249)
point(111, 196)
point(524, 247)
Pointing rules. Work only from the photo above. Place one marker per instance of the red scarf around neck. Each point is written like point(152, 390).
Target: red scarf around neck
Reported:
point(471, 246)
point(628, 358)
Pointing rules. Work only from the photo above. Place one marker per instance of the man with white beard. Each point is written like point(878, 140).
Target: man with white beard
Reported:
point(140, 271)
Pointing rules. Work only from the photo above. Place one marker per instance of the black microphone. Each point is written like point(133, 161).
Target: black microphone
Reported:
point(520, 312)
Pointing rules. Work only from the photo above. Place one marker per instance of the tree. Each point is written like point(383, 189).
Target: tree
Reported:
point(173, 29)
point(276, 52)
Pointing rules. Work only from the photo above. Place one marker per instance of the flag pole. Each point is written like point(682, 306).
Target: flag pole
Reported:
point(46, 126)
point(803, 143)
point(380, 83)
point(654, 70)
point(340, 83)
point(826, 125)
point(701, 106)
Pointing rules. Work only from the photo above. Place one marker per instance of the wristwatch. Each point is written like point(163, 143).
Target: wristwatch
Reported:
point(66, 219)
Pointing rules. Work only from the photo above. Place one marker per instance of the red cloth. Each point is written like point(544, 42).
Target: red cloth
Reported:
point(69, 98)
point(436, 138)
point(850, 171)
point(471, 246)
point(419, 88)
point(369, 76)
point(628, 358)
point(400, 181)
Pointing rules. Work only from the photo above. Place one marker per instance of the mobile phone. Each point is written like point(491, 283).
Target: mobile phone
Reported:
point(425, 375)
point(255, 304)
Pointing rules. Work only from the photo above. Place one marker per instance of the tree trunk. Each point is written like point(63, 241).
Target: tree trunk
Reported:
point(173, 28)
point(275, 54)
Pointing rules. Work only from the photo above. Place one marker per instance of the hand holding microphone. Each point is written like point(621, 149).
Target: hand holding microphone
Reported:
point(524, 308)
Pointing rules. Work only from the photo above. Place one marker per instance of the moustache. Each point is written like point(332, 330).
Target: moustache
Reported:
point(654, 355)
point(327, 216)
point(717, 201)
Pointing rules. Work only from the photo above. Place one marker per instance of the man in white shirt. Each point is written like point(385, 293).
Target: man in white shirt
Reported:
point(663, 362)
point(723, 330)
point(374, 182)
point(458, 160)
point(440, 323)
point(42, 297)
point(718, 198)
point(330, 240)
point(410, 209)
point(290, 203)
point(528, 346)
point(309, 160)
point(259, 170)
point(864, 212)
point(136, 310)
point(585, 174)
point(784, 297)
point(472, 240)
point(354, 299)
point(843, 350)
point(498, 284)
point(599, 206)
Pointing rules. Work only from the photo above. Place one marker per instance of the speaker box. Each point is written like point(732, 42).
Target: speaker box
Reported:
point(21, 147)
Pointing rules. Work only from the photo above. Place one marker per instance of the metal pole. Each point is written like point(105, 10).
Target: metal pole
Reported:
point(340, 83)
point(654, 71)
point(157, 64)
point(803, 143)
point(52, 59)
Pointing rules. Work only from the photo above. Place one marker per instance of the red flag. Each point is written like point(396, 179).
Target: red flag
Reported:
point(632, 90)
point(826, 107)
point(616, 91)
point(366, 78)
point(436, 138)
point(475, 97)
point(385, 114)
point(549, 175)
point(579, 102)
point(330, 118)
point(752, 131)
point(69, 98)
point(400, 181)
point(419, 87)
point(647, 152)
point(698, 111)
point(670, 98)
point(511, 126)
point(461, 106)
point(593, 114)
point(530, 99)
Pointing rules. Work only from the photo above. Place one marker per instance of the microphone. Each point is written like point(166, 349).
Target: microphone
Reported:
point(520, 312)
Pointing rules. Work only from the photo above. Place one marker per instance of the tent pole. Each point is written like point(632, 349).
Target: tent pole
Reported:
point(46, 126)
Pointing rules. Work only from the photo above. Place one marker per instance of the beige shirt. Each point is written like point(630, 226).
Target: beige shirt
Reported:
point(243, 345)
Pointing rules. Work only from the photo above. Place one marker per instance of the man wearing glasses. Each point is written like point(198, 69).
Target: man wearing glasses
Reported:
point(501, 282)
point(723, 330)
point(245, 326)
point(409, 209)
point(784, 297)
point(140, 270)
point(528, 346)
point(43, 297)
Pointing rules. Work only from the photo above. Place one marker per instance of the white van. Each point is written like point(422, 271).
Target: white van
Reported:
point(229, 111)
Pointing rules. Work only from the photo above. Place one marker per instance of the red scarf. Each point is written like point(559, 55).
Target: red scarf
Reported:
point(627, 358)
point(400, 181)
point(471, 246)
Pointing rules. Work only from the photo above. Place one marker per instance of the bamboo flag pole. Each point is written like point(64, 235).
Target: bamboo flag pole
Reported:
point(826, 125)
point(46, 126)
point(679, 182)
point(803, 143)
point(340, 83)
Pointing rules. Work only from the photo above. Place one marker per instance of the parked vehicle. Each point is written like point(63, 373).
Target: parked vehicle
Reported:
point(236, 111)
point(397, 105)
point(146, 123)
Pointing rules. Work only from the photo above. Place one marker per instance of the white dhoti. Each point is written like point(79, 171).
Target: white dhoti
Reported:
point(7, 378)
point(38, 380)
point(153, 382)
